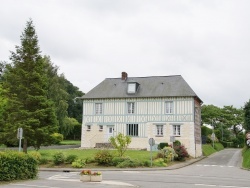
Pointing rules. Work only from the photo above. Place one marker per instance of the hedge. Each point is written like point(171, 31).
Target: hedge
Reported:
point(17, 166)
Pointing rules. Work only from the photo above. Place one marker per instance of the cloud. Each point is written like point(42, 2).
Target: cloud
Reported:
point(207, 42)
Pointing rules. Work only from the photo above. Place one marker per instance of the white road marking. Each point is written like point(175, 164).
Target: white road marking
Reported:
point(26, 185)
point(224, 186)
point(216, 166)
point(67, 177)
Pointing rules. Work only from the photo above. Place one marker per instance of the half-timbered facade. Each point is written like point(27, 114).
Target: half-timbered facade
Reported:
point(156, 107)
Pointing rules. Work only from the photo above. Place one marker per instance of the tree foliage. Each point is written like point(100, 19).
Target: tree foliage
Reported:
point(227, 121)
point(120, 142)
point(247, 116)
point(28, 105)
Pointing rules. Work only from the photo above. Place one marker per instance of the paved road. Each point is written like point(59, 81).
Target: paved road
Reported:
point(221, 170)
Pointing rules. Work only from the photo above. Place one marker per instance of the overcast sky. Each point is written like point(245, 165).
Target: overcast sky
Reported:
point(205, 41)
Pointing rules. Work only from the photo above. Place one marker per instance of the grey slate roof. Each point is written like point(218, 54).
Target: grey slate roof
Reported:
point(155, 86)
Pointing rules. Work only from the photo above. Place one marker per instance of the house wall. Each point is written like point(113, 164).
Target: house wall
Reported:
point(148, 113)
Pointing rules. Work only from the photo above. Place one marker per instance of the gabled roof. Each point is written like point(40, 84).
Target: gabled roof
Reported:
point(154, 86)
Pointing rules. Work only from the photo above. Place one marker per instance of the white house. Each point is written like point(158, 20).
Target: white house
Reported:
point(156, 107)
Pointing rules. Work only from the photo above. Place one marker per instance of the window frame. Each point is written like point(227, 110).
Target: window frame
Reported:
point(88, 127)
point(176, 130)
point(159, 130)
point(98, 108)
point(130, 107)
point(131, 88)
point(169, 107)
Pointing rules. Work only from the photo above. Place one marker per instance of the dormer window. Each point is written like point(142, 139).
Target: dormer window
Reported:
point(132, 87)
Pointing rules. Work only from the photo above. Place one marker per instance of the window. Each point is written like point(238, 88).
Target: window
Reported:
point(159, 130)
point(131, 107)
point(131, 87)
point(98, 108)
point(100, 127)
point(132, 129)
point(169, 106)
point(176, 130)
point(88, 127)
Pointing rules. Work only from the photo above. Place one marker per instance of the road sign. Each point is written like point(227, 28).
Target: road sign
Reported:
point(20, 133)
point(213, 136)
point(151, 142)
point(172, 138)
point(248, 136)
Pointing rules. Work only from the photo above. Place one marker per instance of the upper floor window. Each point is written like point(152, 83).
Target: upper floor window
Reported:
point(169, 107)
point(98, 108)
point(131, 107)
point(159, 130)
point(176, 130)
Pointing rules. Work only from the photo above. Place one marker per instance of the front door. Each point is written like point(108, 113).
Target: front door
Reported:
point(110, 129)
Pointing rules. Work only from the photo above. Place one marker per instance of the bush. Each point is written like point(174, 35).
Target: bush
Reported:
point(159, 163)
point(162, 145)
point(206, 131)
point(177, 143)
point(89, 160)
point(118, 160)
point(58, 158)
point(36, 155)
point(57, 138)
point(17, 166)
point(129, 163)
point(71, 158)
point(43, 161)
point(181, 152)
point(79, 163)
point(104, 157)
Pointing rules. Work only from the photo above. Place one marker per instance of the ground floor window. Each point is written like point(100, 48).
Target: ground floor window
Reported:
point(176, 130)
point(159, 130)
point(132, 129)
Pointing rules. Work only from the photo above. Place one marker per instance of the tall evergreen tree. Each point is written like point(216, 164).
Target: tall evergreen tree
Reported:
point(247, 116)
point(29, 106)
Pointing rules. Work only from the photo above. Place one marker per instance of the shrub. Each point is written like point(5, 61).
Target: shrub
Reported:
point(17, 166)
point(43, 161)
point(58, 158)
point(177, 143)
point(129, 163)
point(89, 160)
point(162, 145)
point(36, 155)
point(56, 138)
point(70, 158)
point(120, 142)
point(79, 163)
point(159, 163)
point(118, 160)
point(103, 157)
point(181, 152)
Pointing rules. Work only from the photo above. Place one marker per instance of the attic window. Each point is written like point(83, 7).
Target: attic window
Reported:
point(131, 87)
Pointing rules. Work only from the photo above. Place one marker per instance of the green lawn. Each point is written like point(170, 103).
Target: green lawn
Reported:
point(246, 158)
point(70, 142)
point(207, 149)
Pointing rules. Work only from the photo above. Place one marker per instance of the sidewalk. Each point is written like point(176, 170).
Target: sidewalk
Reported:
point(172, 167)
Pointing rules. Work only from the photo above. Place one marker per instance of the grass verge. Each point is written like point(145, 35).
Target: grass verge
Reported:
point(246, 158)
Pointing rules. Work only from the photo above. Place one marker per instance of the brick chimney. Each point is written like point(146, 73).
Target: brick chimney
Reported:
point(124, 76)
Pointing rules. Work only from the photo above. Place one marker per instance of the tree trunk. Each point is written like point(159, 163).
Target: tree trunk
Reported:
point(25, 145)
